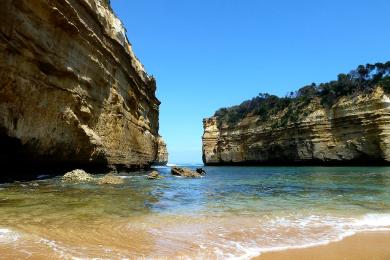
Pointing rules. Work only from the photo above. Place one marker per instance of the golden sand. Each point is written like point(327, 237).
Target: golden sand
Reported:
point(170, 237)
point(364, 246)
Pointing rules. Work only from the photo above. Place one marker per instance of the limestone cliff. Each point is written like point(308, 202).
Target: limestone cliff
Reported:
point(354, 130)
point(71, 89)
point(162, 153)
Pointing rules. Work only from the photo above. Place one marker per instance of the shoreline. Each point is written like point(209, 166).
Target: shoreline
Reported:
point(364, 245)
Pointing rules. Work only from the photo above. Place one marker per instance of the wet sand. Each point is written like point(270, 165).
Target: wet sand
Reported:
point(370, 245)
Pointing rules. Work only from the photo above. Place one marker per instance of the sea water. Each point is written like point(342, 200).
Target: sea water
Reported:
point(232, 212)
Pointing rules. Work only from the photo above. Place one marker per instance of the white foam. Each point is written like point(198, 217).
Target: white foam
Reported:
point(326, 229)
point(7, 235)
point(160, 167)
point(132, 177)
point(185, 165)
point(53, 246)
point(4, 231)
point(374, 221)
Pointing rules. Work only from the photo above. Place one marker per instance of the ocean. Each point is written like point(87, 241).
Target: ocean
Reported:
point(230, 213)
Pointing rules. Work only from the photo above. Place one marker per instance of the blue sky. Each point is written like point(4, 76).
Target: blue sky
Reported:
point(208, 54)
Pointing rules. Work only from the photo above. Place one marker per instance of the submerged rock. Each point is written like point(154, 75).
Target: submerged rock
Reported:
point(110, 179)
point(154, 175)
point(184, 172)
point(77, 176)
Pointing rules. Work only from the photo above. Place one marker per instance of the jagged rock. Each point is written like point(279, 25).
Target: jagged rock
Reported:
point(71, 89)
point(184, 172)
point(154, 175)
point(355, 130)
point(77, 176)
point(200, 171)
point(110, 179)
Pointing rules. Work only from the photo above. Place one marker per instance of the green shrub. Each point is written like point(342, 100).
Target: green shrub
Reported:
point(361, 80)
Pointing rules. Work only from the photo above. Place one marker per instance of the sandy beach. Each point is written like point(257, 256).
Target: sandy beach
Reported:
point(369, 245)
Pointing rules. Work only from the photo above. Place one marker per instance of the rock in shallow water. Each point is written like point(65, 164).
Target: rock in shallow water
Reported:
point(77, 176)
point(184, 172)
point(154, 175)
point(110, 179)
point(80, 176)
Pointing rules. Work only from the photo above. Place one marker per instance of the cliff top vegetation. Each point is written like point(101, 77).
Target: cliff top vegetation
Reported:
point(363, 79)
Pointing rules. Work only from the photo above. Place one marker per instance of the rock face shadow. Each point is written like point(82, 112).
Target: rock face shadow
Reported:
point(72, 92)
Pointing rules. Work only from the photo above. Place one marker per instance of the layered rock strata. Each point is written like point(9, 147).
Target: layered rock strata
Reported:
point(162, 152)
point(184, 172)
point(356, 130)
point(71, 89)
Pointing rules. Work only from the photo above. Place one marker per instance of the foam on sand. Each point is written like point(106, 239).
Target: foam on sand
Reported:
point(8, 236)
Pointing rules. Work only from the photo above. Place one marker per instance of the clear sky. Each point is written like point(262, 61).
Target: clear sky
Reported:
point(208, 54)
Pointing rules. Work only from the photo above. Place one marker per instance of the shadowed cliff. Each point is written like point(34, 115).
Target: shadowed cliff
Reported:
point(72, 92)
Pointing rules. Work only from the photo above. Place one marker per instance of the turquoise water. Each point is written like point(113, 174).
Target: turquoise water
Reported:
point(235, 212)
point(256, 190)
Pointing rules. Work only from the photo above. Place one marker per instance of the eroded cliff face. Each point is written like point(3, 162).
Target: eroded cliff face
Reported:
point(71, 88)
point(162, 153)
point(355, 130)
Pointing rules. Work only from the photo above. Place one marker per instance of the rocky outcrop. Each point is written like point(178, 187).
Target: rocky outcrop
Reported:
point(356, 130)
point(71, 89)
point(110, 179)
point(154, 175)
point(77, 176)
point(162, 153)
point(80, 176)
point(184, 172)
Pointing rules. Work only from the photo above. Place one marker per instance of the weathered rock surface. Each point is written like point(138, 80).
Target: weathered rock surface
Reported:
point(162, 153)
point(355, 130)
point(80, 176)
point(77, 176)
point(71, 89)
point(154, 175)
point(110, 179)
point(184, 172)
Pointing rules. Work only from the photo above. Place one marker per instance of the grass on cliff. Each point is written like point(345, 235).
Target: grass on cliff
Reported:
point(361, 80)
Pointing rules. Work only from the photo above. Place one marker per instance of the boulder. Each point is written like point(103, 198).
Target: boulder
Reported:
point(154, 175)
point(80, 176)
point(110, 179)
point(184, 172)
point(77, 176)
